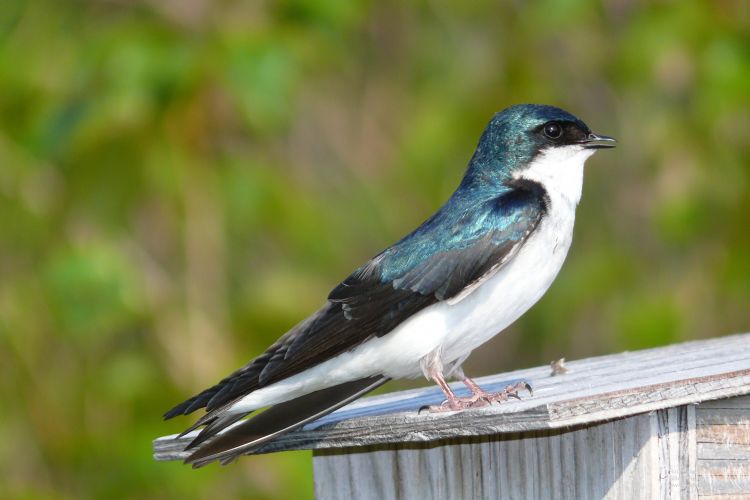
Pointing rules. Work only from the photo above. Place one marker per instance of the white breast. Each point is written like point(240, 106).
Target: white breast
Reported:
point(452, 330)
point(524, 280)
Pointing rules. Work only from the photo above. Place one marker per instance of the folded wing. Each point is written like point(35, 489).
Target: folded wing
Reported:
point(448, 253)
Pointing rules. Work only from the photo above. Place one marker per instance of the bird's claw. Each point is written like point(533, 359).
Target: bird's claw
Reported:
point(447, 405)
point(528, 387)
point(511, 391)
point(480, 399)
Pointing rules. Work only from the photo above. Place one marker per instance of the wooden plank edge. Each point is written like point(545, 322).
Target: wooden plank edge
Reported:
point(403, 428)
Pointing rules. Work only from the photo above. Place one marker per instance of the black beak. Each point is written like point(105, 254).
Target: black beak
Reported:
point(596, 141)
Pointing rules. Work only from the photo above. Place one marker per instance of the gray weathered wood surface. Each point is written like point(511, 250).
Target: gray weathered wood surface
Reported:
point(688, 452)
point(723, 448)
point(616, 459)
point(594, 390)
point(676, 453)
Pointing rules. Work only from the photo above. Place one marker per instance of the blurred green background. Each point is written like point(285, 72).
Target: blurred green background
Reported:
point(183, 180)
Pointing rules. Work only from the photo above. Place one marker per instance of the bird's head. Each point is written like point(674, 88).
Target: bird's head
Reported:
point(521, 134)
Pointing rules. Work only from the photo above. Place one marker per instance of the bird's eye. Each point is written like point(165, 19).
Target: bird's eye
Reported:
point(553, 130)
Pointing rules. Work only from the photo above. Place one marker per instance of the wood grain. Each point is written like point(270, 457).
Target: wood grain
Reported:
point(677, 454)
point(723, 448)
point(610, 460)
point(723, 434)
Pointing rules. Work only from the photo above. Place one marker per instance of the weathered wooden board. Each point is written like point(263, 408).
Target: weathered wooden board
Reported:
point(677, 453)
point(609, 460)
point(723, 434)
point(733, 487)
point(594, 390)
point(723, 448)
point(723, 451)
point(737, 402)
point(644, 456)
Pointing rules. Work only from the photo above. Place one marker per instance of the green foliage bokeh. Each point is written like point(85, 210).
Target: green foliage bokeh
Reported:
point(181, 181)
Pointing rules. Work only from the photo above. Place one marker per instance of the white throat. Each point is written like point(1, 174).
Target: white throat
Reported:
point(560, 171)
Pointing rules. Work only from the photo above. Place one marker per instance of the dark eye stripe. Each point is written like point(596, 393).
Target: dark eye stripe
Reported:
point(563, 132)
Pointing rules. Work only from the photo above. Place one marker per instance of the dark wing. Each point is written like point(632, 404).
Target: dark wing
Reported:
point(322, 336)
point(455, 248)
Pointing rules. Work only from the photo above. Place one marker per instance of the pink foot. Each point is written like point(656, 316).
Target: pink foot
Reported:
point(480, 398)
point(457, 404)
point(487, 398)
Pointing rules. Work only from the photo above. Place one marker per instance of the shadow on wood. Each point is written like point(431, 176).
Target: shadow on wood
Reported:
point(626, 458)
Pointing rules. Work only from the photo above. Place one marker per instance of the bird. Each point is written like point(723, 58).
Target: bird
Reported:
point(422, 305)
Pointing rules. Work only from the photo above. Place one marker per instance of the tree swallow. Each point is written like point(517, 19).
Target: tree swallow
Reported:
point(424, 304)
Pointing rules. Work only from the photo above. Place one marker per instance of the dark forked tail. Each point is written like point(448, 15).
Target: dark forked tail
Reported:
point(280, 419)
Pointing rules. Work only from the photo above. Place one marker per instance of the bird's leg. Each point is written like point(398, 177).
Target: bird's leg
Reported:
point(479, 397)
point(477, 394)
point(432, 367)
point(452, 403)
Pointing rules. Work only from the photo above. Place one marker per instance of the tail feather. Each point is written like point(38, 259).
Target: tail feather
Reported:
point(280, 419)
point(213, 427)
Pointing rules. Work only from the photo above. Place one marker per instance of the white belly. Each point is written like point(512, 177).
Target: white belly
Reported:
point(507, 295)
point(454, 330)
